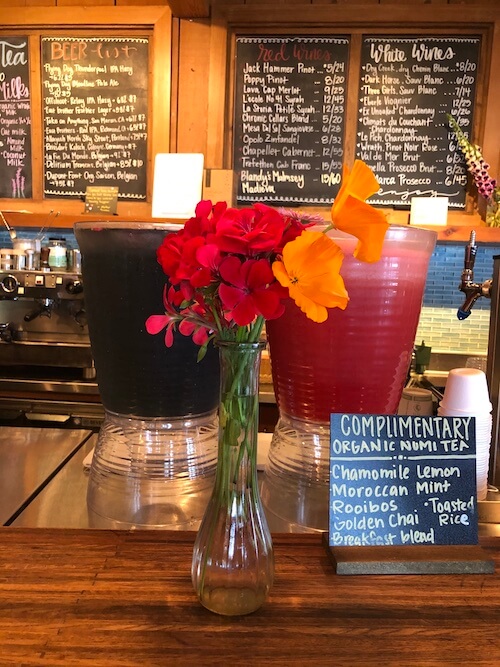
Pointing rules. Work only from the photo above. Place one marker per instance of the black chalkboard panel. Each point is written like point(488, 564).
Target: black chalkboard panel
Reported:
point(15, 118)
point(95, 94)
point(289, 118)
point(407, 86)
point(402, 480)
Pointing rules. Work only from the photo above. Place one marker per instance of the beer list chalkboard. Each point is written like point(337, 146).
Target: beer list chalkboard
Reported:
point(289, 118)
point(95, 105)
point(15, 119)
point(407, 86)
point(402, 480)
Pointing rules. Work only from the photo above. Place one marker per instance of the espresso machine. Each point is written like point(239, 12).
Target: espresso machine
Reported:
point(47, 372)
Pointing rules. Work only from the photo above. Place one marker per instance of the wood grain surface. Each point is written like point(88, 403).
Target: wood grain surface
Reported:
point(88, 597)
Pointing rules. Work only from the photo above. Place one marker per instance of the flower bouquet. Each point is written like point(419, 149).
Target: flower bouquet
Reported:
point(228, 272)
point(487, 187)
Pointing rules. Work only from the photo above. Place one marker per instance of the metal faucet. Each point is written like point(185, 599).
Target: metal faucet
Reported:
point(491, 289)
point(467, 285)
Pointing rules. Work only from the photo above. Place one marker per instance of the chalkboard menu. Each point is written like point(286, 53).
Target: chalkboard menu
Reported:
point(407, 86)
point(95, 94)
point(402, 480)
point(289, 118)
point(15, 119)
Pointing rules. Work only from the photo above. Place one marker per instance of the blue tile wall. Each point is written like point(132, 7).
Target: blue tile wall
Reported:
point(445, 269)
point(439, 325)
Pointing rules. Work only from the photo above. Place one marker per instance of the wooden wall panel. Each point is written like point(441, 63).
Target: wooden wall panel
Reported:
point(192, 85)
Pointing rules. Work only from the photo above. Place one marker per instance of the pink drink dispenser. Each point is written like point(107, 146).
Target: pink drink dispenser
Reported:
point(355, 362)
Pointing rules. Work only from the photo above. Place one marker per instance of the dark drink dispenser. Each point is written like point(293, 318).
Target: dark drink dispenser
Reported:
point(155, 458)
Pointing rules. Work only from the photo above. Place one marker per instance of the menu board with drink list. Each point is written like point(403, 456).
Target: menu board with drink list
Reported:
point(95, 114)
point(15, 118)
point(289, 118)
point(402, 480)
point(407, 86)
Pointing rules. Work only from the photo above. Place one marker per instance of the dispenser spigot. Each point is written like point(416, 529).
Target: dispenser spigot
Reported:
point(467, 285)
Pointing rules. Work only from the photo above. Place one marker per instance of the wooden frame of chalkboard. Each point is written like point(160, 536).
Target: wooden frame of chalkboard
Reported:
point(151, 23)
point(339, 20)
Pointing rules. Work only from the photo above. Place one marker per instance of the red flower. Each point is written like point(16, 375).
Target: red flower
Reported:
point(177, 255)
point(249, 231)
point(249, 290)
point(169, 254)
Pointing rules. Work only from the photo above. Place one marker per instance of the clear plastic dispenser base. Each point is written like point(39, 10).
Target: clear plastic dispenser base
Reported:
point(295, 490)
point(152, 473)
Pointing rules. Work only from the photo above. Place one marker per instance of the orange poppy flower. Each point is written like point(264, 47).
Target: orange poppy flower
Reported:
point(310, 269)
point(350, 213)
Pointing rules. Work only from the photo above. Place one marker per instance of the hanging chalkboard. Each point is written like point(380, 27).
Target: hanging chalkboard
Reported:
point(407, 86)
point(289, 118)
point(15, 119)
point(95, 102)
point(398, 480)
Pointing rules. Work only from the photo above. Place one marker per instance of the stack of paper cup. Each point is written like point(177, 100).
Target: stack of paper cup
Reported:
point(466, 395)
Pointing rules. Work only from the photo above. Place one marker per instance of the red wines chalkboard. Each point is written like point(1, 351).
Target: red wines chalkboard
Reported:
point(289, 118)
point(15, 118)
point(95, 106)
point(407, 86)
point(402, 480)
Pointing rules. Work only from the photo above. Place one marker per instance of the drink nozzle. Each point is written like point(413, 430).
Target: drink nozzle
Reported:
point(467, 285)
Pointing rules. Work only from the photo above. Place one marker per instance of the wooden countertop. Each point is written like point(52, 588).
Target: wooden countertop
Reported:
point(93, 597)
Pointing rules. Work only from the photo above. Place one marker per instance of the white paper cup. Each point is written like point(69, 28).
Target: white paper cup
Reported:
point(466, 393)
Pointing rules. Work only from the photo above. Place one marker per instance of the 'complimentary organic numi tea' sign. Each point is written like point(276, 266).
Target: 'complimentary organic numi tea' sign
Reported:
point(398, 480)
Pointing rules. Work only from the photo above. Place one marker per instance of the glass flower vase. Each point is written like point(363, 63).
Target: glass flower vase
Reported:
point(233, 563)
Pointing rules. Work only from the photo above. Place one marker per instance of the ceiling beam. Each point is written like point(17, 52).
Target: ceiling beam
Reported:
point(190, 9)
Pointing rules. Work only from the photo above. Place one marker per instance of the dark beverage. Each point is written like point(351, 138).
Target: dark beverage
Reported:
point(123, 286)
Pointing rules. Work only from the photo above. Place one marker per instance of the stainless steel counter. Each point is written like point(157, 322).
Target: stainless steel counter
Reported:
point(62, 501)
point(29, 459)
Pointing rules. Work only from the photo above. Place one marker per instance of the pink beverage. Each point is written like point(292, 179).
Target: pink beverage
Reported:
point(358, 360)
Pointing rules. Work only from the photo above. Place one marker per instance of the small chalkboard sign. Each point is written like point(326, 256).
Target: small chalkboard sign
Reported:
point(406, 480)
point(404, 489)
point(101, 199)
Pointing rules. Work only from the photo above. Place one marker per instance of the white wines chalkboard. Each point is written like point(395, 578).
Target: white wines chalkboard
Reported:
point(407, 86)
point(398, 480)
point(289, 118)
point(95, 106)
point(15, 119)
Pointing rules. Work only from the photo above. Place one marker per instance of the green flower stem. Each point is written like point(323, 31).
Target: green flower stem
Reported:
point(238, 411)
